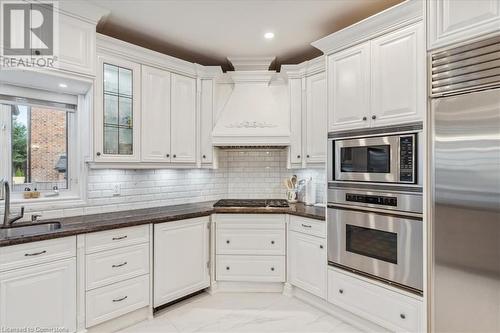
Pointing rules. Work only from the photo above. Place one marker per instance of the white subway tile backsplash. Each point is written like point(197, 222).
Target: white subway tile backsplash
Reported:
point(242, 174)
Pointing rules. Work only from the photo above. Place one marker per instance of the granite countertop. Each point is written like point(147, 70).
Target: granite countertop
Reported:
point(76, 225)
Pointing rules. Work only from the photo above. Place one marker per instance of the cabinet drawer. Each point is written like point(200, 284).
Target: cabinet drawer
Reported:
point(249, 221)
point(308, 226)
point(111, 239)
point(103, 268)
point(385, 307)
point(251, 268)
point(117, 299)
point(250, 241)
point(37, 252)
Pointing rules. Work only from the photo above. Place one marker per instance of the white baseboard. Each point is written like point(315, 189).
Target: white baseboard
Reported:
point(336, 311)
point(122, 322)
point(246, 287)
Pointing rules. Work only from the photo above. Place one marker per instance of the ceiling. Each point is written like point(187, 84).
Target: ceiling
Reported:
point(208, 31)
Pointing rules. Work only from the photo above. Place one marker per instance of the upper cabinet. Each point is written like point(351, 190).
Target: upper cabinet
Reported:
point(316, 118)
point(378, 83)
point(398, 77)
point(155, 115)
point(451, 21)
point(308, 113)
point(349, 88)
point(183, 129)
point(117, 113)
point(206, 120)
point(76, 45)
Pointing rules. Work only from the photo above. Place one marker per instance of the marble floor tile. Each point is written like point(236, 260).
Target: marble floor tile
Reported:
point(242, 312)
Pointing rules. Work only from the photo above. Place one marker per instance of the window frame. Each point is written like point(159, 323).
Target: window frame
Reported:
point(73, 190)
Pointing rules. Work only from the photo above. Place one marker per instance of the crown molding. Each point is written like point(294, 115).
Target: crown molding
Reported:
point(408, 12)
point(251, 63)
point(306, 68)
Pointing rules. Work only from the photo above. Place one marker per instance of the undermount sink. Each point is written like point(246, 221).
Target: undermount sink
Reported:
point(31, 228)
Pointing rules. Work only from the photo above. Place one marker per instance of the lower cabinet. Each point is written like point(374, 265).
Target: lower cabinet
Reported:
point(39, 296)
point(308, 263)
point(181, 259)
point(395, 311)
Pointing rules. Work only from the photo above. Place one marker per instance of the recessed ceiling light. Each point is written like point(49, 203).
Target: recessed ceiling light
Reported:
point(269, 35)
point(63, 85)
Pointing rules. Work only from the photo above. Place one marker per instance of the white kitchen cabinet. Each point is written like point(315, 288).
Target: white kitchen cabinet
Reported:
point(349, 88)
point(39, 296)
point(183, 117)
point(181, 258)
point(398, 77)
point(117, 112)
point(395, 311)
point(155, 115)
point(295, 90)
point(316, 118)
point(308, 263)
point(77, 40)
point(451, 21)
point(206, 120)
point(250, 268)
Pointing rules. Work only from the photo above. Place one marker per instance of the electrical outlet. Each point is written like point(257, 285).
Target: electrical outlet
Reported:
point(116, 190)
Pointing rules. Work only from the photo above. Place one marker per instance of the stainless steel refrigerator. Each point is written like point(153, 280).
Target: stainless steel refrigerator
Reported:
point(465, 177)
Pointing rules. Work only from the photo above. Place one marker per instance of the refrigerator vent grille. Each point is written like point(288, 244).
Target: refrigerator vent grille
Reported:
point(465, 68)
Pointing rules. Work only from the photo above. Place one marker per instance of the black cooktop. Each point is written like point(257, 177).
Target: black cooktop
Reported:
point(275, 203)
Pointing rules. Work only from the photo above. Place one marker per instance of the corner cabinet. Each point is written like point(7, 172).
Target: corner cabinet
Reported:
point(181, 259)
point(456, 21)
point(316, 118)
point(117, 112)
point(183, 113)
point(380, 82)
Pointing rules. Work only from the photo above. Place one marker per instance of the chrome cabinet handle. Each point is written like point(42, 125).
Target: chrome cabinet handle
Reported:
point(306, 225)
point(118, 238)
point(34, 254)
point(120, 265)
point(120, 299)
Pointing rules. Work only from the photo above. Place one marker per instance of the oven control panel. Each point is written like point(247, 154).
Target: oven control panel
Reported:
point(406, 159)
point(372, 199)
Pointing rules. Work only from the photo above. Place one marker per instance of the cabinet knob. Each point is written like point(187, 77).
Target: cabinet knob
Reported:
point(298, 156)
point(272, 268)
point(227, 242)
point(227, 268)
point(374, 117)
point(272, 242)
point(403, 316)
point(364, 118)
point(98, 153)
point(321, 246)
point(174, 156)
point(168, 155)
point(308, 156)
point(37, 52)
point(204, 156)
point(341, 291)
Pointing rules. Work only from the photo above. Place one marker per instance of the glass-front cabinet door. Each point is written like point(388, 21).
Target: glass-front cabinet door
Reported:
point(117, 120)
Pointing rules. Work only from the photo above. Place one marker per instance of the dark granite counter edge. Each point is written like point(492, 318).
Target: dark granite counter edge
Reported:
point(72, 229)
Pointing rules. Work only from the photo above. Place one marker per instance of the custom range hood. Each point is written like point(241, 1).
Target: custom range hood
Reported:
point(251, 106)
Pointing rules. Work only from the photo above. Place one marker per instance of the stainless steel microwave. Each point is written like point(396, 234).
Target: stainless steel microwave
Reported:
point(382, 159)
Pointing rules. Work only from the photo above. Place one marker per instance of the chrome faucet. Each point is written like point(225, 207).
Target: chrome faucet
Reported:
point(7, 219)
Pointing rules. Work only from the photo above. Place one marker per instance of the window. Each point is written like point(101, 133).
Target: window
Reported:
point(35, 143)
